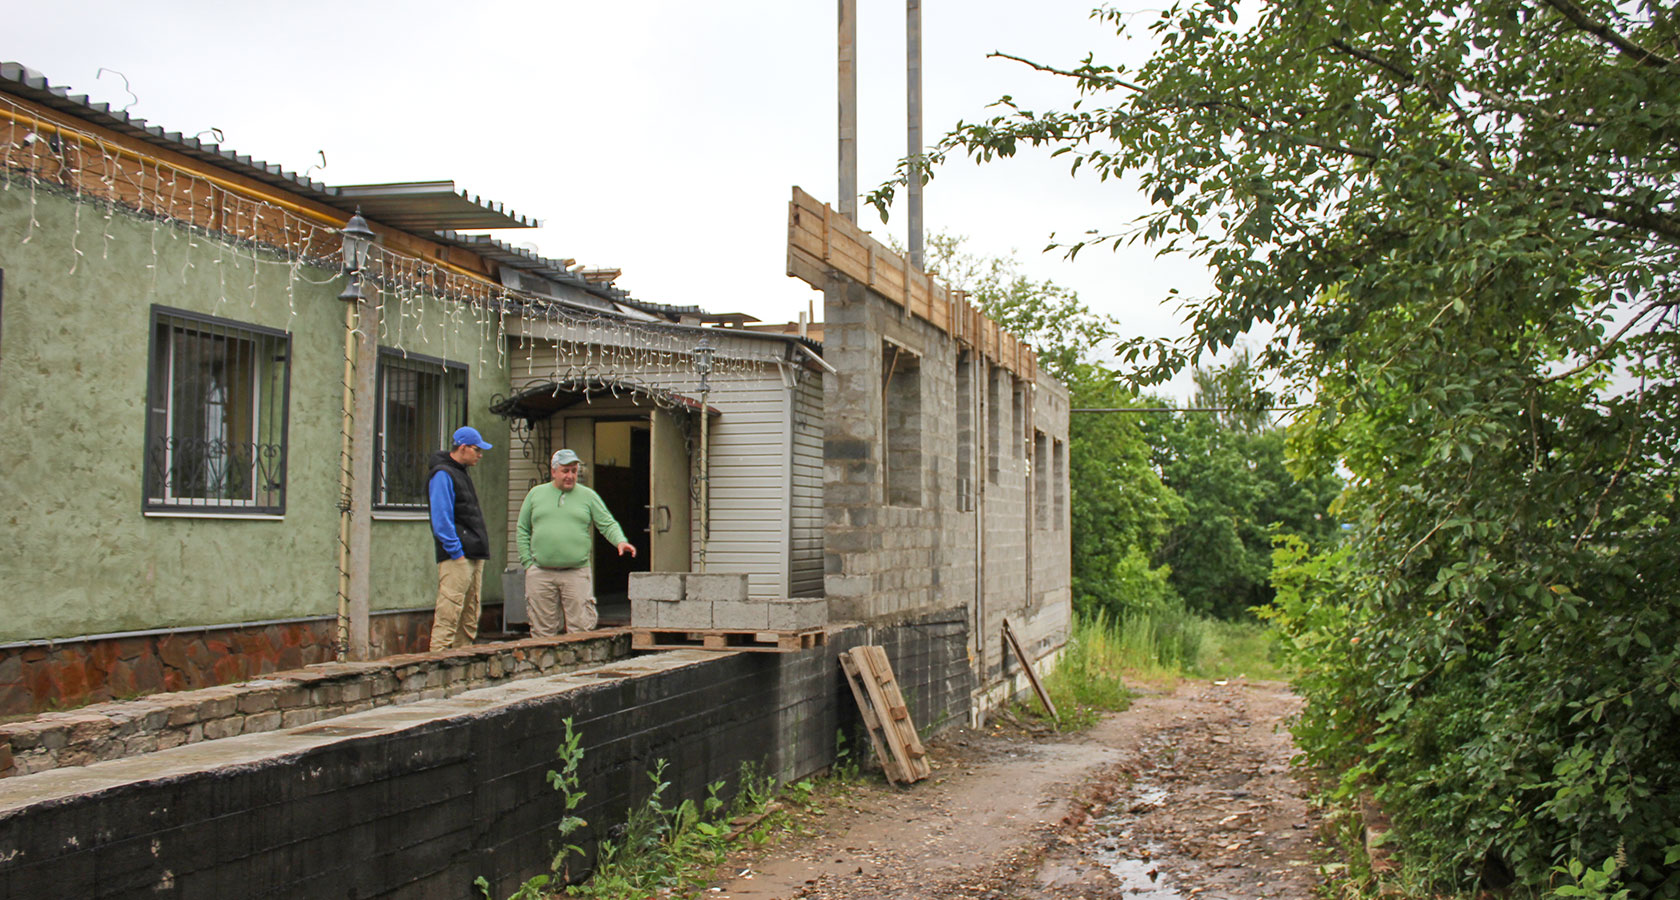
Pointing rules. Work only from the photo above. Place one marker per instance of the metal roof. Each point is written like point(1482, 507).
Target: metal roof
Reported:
point(506, 254)
point(423, 206)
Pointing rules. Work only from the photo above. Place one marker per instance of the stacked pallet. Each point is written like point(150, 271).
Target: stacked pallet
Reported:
point(711, 611)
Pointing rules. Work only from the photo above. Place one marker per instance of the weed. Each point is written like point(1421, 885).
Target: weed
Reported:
point(847, 765)
point(565, 781)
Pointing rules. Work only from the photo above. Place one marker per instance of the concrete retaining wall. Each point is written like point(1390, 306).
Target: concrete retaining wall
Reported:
point(416, 801)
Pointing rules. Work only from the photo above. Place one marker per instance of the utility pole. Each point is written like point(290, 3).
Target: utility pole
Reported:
point(913, 113)
point(848, 110)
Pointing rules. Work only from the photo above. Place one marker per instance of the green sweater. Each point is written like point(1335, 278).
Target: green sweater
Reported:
point(554, 526)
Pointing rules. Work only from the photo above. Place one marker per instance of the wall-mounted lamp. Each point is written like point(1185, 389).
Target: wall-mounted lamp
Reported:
point(703, 363)
point(358, 240)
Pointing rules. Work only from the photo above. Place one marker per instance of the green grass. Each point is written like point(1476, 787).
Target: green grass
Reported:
point(1238, 650)
point(1103, 654)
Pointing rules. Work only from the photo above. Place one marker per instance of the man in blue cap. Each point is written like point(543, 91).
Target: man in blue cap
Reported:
point(462, 540)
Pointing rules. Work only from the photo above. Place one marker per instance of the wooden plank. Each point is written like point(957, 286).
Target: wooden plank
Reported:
point(1032, 676)
point(871, 675)
point(901, 732)
point(906, 728)
point(856, 678)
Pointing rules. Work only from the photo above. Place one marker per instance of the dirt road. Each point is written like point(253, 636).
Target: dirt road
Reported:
point(1187, 794)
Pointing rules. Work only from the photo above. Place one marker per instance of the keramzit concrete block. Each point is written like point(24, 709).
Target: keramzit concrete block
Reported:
point(741, 615)
point(798, 615)
point(644, 613)
point(714, 587)
point(688, 613)
point(666, 586)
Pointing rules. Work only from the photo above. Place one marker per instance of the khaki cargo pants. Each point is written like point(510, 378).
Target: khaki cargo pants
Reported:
point(455, 623)
point(556, 597)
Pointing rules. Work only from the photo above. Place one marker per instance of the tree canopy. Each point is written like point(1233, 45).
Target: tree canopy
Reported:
point(1457, 225)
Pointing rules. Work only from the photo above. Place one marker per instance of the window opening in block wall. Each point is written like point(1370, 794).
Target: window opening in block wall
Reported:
point(1018, 413)
point(1058, 474)
point(1041, 479)
point(965, 432)
point(420, 404)
point(901, 394)
point(994, 420)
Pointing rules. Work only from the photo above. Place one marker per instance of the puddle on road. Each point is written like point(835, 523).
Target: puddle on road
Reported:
point(1140, 878)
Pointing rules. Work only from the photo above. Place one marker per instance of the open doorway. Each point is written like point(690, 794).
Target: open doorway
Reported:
point(621, 477)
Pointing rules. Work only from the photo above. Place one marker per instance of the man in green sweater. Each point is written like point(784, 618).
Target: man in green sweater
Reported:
point(555, 537)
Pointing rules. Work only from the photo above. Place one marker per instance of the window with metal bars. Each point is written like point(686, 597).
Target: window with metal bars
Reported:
point(421, 402)
point(216, 402)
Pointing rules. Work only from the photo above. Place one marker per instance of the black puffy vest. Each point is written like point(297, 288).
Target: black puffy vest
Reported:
point(469, 519)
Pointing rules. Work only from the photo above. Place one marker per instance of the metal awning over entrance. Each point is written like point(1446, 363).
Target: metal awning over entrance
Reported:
point(538, 402)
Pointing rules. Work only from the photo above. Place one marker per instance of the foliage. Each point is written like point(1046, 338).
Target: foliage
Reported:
point(662, 849)
point(568, 783)
point(1238, 496)
point(1086, 680)
point(1459, 224)
point(659, 849)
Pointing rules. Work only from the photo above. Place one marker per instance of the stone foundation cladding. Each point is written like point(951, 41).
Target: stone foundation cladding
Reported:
point(416, 801)
point(118, 729)
point(47, 675)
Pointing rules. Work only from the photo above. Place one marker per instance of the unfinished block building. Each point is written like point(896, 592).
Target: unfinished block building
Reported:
point(170, 313)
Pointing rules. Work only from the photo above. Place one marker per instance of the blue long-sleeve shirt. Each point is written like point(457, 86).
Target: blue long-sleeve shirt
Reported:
point(442, 490)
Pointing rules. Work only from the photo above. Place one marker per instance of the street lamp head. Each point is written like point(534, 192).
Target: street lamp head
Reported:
point(703, 356)
point(352, 288)
point(358, 239)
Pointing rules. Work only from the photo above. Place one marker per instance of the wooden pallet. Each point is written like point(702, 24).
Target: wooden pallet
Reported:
point(890, 730)
point(724, 639)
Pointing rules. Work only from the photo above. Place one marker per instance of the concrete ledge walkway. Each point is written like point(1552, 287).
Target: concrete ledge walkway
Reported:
point(17, 794)
point(124, 728)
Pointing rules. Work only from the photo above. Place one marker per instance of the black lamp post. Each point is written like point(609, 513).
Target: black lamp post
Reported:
point(358, 240)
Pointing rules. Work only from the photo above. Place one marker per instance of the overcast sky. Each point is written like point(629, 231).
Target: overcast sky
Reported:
point(659, 137)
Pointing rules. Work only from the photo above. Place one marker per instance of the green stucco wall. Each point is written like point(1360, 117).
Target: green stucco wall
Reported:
point(82, 557)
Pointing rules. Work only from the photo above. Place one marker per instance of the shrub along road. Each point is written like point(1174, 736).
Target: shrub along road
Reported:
point(1187, 794)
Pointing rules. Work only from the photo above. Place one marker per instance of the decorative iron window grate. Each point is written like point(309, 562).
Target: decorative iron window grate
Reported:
point(216, 404)
point(421, 403)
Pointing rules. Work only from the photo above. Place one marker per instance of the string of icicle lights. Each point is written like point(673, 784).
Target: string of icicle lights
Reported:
point(425, 308)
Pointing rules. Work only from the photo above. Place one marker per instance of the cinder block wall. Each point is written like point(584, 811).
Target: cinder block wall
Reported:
point(981, 548)
point(420, 811)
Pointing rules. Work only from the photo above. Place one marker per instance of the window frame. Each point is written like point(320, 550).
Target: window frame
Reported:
point(412, 362)
point(161, 498)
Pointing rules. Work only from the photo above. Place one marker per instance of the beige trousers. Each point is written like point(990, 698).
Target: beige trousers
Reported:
point(556, 597)
point(455, 622)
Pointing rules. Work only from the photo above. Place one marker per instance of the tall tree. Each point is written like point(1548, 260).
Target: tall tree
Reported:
point(1461, 224)
point(1226, 461)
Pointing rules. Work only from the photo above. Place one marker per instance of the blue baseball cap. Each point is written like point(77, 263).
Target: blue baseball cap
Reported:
point(468, 436)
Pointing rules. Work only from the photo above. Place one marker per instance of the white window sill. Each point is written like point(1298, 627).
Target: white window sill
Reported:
point(401, 515)
point(194, 514)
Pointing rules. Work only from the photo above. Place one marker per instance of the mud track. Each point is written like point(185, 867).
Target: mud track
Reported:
point(1187, 794)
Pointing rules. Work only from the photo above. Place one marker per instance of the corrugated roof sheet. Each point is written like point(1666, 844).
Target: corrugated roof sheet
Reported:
point(422, 206)
point(508, 255)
